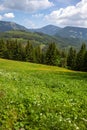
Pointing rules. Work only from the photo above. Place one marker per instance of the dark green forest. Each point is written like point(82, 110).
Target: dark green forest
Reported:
point(49, 55)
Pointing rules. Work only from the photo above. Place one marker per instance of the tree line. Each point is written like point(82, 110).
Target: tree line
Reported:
point(50, 55)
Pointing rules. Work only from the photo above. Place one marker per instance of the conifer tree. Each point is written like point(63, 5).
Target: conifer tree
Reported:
point(38, 54)
point(63, 60)
point(29, 52)
point(85, 62)
point(15, 50)
point(9, 46)
point(80, 57)
point(71, 58)
point(19, 52)
point(51, 54)
point(2, 47)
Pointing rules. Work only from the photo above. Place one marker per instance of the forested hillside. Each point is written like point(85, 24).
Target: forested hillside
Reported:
point(63, 37)
point(50, 55)
point(73, 32)
point(49, 29)
point(38, 38)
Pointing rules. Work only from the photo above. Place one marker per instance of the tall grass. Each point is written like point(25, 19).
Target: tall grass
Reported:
point(39, 97)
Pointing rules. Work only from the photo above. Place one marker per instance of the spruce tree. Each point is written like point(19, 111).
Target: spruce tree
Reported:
point(19, 52)
point(2, 47)
point(51, 54)
point(80, 57)
point(10, 50)
point(85, 62)
point(38, 54)
point(63, 59)
point(29, 52)
point(15, 50)
point(71, 58)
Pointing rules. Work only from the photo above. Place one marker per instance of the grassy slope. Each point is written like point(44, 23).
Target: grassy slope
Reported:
point(39, 97)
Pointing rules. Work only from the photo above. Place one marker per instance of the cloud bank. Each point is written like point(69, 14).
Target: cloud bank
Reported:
point(71, 15)
point(1, 7)
point(75, 15)
point(9, 15)
point(27, 5)
point(0, 17)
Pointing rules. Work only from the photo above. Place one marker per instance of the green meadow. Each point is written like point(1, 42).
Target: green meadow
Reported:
point(40, 97)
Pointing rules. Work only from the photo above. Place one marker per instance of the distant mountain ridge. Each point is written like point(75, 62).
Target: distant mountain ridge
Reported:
point(73, 32)
point(8, 26)
point(42, 39)
point(66, 32)
point(49, 29)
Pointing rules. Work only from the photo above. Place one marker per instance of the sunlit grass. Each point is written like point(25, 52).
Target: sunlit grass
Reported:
point(40, 97)
point(30, 66)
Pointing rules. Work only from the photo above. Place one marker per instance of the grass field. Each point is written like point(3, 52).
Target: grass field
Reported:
point(39, 97)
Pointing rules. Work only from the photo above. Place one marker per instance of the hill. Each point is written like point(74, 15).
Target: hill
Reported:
point(40, 38)
point(36, 38)
point(73, 32)
point(49, 29)
point(66, 32)
point(8, 26)
point(63, 37)
point(34, 96)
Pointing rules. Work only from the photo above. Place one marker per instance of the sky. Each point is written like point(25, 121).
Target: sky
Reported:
point(39, 13)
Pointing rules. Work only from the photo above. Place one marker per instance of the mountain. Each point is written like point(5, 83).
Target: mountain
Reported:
point(8, 26)
point(63, 37)
point(38, 38)
point(66, 32)
point(72, 32)
point(49, 29)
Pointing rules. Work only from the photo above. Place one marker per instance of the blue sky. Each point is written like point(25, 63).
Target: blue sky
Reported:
point(38, 13)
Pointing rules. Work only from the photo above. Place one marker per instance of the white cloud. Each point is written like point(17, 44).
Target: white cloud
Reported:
point(1, 7)
point(29, 23)
point(71, 15)
point(63, 1)
point(1, 17)
point(27, 5)
point(9, 15)
point(38, 15)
